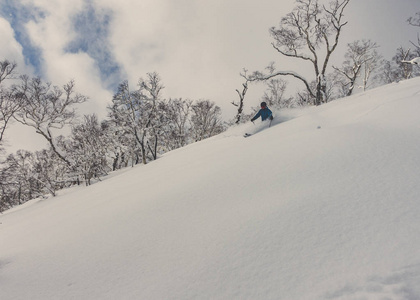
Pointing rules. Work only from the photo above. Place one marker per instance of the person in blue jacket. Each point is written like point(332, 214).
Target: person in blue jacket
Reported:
point(265, 113)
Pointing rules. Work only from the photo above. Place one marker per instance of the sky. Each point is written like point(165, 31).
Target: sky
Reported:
point(197, 47)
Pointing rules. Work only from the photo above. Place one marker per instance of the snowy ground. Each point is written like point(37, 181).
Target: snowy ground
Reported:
point(325, 205)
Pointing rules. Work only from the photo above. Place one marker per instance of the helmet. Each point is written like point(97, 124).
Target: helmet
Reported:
point(263, 104)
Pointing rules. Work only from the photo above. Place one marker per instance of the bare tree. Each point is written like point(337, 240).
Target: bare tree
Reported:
point(176, 130)
point(275, 94)
point(301, 34)
point(17, 177)
point(9, 103)
point(415, 21)
point(125, 114)
point(121, 144)
point(360, 59)
point(50, 172)
point(388, 72)
point(206, 120)
point(403, 69)
point(46, 107)
point(152, 120)
point(371, 68)
point(240, 105)
point(7, 69)
point(137, 112)
point(241, 95)
point(399, 68)
point(88, 149)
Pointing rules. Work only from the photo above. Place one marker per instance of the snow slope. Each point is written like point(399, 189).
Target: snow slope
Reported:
point(323, 206)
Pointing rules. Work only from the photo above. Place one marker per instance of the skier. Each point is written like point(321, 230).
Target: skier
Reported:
point(264, 112)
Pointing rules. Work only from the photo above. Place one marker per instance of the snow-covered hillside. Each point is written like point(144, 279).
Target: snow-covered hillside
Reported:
point(325, 205)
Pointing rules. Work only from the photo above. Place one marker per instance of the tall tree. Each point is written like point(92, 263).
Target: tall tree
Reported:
point(152, 120)
point(361, 59)
point(9, 103)
point(309, 33)
point(88, 148)
point(121, 144)
point(240, 105)
point(405, 70)
point(50, 172)
point(206, 120)
point(136, 111)
point(176, 130)
point(46, 107)
point(17, 177)
point(415, 21)
point(398, 69)
point(7, 69)
point(125, 113)
point(275, 94)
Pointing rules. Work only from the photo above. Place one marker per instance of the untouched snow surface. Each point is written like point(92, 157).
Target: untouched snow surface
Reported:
point(325, 205)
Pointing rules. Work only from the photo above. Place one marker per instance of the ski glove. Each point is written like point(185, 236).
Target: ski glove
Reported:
point(271, 118)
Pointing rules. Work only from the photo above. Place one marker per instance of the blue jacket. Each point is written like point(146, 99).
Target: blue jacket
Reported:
point(265, 113)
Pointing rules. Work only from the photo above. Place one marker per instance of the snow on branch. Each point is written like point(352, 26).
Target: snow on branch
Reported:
point(414, 61)
point(259, 76)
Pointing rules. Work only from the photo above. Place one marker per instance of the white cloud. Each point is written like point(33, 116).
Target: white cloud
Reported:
point(199, 48)
point(52, 35)
point(13, 50)
point(136, 36)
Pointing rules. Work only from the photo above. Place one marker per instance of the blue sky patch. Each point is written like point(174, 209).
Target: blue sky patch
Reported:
point(18, 15)
point(92, 30)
